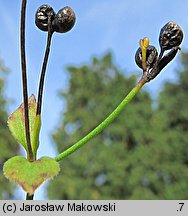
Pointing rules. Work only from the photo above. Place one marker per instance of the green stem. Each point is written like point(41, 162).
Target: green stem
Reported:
point(103, 124)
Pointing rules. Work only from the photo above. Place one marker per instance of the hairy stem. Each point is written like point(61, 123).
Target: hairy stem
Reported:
point(24, 80)
point(44, 65)
point(103, 124)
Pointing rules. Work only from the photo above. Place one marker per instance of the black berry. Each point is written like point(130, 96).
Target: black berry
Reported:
point(64, 20)
point(42, 15)
point(171, 35)
point(151, 57)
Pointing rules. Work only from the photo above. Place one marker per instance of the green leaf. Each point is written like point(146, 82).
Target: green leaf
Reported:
point(16, 124)
point(30, 175)
point(35, 134)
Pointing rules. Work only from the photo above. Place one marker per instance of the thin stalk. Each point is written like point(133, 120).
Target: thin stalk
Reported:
point(160, 55)
point(44, 65)
point(29, 197)
point(24, 80)
point(103, 124)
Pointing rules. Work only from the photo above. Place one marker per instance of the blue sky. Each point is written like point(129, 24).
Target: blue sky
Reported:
point(101, 26)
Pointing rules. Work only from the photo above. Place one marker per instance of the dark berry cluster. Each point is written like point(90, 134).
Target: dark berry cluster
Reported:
point(171, 36)
point(62, 22)
point(47, 20)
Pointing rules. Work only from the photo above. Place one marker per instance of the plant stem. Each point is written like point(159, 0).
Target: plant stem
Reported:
point(29, 197)
point(104, 124)
point(24, 80)
point(44, 65)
